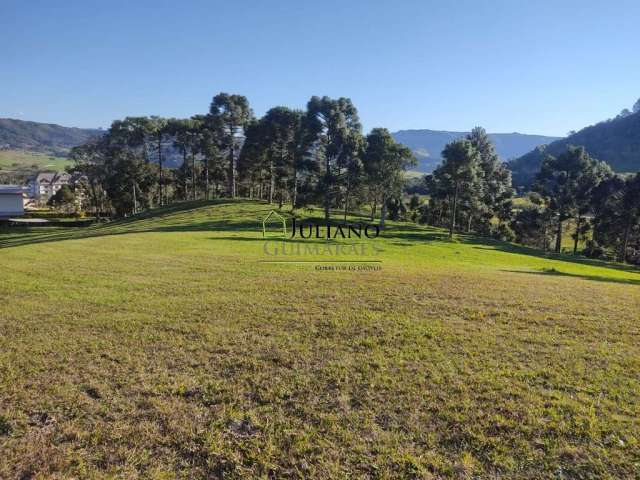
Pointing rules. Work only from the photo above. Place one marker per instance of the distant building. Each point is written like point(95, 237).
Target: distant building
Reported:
point(11, 201)
point(44, 185)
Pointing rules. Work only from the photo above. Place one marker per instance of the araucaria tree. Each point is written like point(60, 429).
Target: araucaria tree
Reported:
point(457, 176)
point(385, 162)
point(616, 206)
point(336, 125)
point(230, 114)
point(563, 180)
point(494, 195)
point(320, 157)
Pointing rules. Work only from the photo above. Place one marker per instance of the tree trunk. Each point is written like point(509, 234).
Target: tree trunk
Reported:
point(558, 248)
point(232, 166)
point(94, 194)
point(575, 240)
point(193, 176)
point(346, 201)
point(272, 181)
point(160, 163)
point(374, 208)
point(294, 192)
point(135, 200)
point(625, 242)
point(206, 180)
point(185, 165)
point(383, 211)
point(327, 192)
point(452, 224)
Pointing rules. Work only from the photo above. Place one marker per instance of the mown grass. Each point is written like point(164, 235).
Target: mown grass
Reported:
point(163, 346)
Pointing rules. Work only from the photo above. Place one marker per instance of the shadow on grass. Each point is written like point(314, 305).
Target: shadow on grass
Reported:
point(410, 235)
point(490, 244)
point(598, 278)
point(189, 217)
point(178, 218)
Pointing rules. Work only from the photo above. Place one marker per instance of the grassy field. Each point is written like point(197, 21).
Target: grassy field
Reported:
point(14, 162)
point(167, 346)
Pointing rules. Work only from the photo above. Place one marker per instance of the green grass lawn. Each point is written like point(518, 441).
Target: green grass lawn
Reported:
point(166, 346)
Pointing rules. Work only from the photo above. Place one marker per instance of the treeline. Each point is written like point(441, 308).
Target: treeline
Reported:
point(615, 141)
point(318, 156)
point(603, 207)
point(471, 191)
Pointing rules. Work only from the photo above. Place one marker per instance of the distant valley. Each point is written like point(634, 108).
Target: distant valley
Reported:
point(47, 138)
point(428, 144)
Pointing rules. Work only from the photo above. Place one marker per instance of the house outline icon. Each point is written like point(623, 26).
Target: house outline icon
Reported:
point(274, 214)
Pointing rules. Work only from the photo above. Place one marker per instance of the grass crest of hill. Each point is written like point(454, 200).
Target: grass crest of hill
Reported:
point(241, 220)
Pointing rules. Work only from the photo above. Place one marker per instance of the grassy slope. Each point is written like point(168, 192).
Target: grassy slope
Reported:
point(162, 347)
point(20, 161)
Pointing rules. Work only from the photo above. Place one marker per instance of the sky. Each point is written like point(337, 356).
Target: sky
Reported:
point(543, 67)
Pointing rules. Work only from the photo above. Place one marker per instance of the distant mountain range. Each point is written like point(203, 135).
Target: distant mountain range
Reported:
point(615, 141)
point(42, 137)
point(427, 145)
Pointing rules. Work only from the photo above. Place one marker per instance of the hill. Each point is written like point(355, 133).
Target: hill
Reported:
point(615, 141)
point(17, 165)
point(42, 137)
point(427, 145)
point(167, 346)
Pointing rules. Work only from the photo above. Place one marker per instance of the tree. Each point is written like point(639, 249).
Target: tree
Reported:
point(88, 160)
point(229, 115)
point(253, 161)
point(334, 124)
point(129, 175)
point(64, 198)
point(353, 168)
point(616, 204)
point(184, 136)
point(532, 223)
point(279, 127)
point(157, 128)
point(385, 162)
point(303, 142)
point(624, 113)
point(493, 197)
point(592, 175)
point(561, 180)
point(636, 106)
point(630, 213)
point(457, 174)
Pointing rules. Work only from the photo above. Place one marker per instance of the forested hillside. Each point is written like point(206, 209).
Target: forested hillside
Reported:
point(615, 141)
point(42, 137)
point(427, 145)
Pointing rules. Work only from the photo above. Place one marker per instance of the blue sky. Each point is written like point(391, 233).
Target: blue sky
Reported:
point(543, 67)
